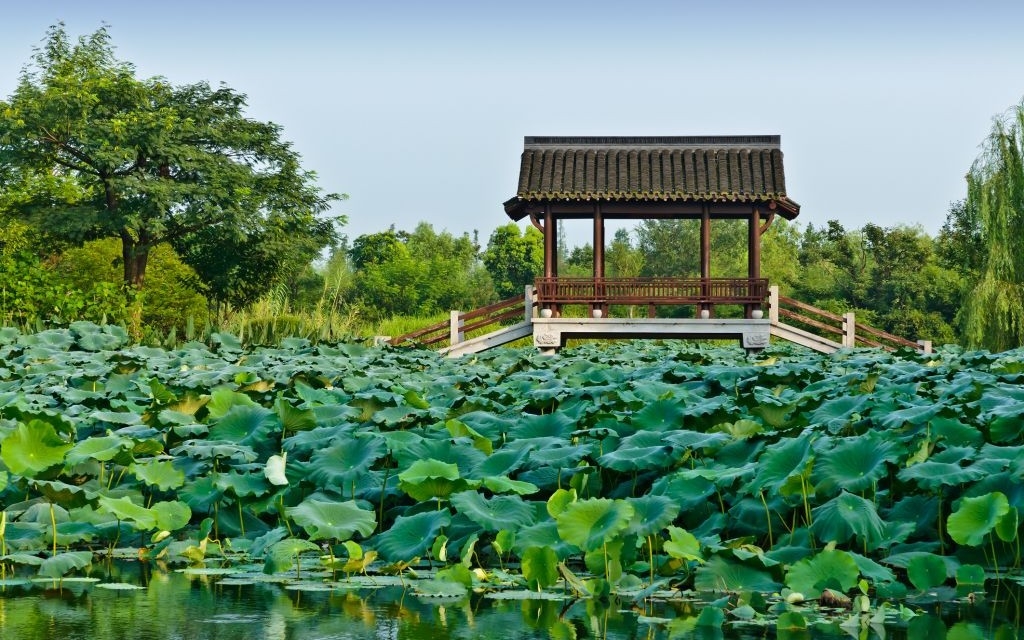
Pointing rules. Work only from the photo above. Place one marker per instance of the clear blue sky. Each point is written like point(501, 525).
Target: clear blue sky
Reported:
point(418, 110)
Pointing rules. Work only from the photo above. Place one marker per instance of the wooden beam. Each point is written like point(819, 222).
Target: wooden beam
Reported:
point(598, 243)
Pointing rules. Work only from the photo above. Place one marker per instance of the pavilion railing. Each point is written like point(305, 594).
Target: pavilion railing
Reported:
point(651, 291)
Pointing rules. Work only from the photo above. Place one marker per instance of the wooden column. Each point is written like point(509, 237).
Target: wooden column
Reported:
point(705, 254)
point(550, 243)
point(598, 259)
point(754, 252)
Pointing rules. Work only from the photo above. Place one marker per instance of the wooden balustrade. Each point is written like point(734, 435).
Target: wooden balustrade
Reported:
point(651, 291)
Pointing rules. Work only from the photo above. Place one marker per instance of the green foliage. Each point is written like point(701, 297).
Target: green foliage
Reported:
point(994, 310)
point(91, 152)
point(514, 258)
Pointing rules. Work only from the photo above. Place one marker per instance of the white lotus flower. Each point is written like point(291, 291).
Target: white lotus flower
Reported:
point(275, 469)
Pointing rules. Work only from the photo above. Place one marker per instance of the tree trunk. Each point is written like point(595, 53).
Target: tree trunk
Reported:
point(135, 255)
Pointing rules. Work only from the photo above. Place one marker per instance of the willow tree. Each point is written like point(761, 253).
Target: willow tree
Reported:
point(994, 311)
point(96, 152)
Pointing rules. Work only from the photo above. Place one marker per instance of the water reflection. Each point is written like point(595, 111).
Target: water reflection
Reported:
point(175, 605)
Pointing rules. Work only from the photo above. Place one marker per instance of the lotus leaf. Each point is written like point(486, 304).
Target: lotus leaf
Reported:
point(222, 400)
point(540, 567)
point(722, 574)
point(970, 575)
point(683, 545)
point(293, 419)
point(281, 555)
point(651, 514)
point(339, 521)
point(589, 524)
point(345, 461)
point(974, 518)
point(493, 514)
point(926, 571)
point(124, 509)
point(171, 515)
point(33, 447)
point(59, 565)
point(100, 448)
point(245, 425)
point(781, 462)
point(410, 536)
point(161, 474)
point(824, 570)
point(855, 464)
point(501, 484)
point(848, 515)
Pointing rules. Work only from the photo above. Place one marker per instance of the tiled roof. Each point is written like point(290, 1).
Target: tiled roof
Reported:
point(691, 168)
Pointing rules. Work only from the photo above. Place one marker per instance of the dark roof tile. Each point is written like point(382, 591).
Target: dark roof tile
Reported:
point(708, 168)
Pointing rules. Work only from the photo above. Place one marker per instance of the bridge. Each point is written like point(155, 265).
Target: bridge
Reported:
point(706, 179)
point(521, 317)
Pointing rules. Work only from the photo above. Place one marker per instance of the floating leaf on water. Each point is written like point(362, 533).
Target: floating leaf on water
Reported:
point(120, 586)
point(208, 571)
point(522, 594)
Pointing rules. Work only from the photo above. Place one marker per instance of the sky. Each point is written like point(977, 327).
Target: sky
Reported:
point(417, 110)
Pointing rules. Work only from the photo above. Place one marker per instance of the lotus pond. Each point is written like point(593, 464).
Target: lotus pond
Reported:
point(627, 490)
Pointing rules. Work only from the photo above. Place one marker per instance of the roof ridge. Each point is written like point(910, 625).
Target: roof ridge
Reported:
point(770, 141)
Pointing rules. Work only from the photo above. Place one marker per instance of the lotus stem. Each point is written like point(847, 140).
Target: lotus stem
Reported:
point(995, 559)
point(768, 517)
point(650, 557)
point(241, 520)
point(53, 523)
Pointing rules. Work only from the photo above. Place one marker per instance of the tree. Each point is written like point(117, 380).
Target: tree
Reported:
point(514, 258)
point(109, 155)
point(994, 312)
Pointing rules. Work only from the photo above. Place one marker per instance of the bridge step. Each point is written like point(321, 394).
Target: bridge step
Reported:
point(490, 340)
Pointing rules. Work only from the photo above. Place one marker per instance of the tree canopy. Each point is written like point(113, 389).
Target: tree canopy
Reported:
point(88, 151)
point(994, 313)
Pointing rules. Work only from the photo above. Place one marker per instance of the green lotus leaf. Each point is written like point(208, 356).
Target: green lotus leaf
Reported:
point(914, 415)
point(825, 570)
point(493, 514)
point(651, 514)
point(504, 462)
point(117, 417)
point(347, 460)
point(281, 555)
point(1007, 526)
point(171, 515)
point(956, 433)
point(245, 425)
point(970, 575)
point(836, 413)
point(325, 520)
point(846, 516)
point(740, 429)
point(606, 561)
point(974, 518)
point(642, 451)
point(69, 533)
point(790, 621)
point(459, 429)
point(202, 493)
point(58, 566)
point(855, 464)
point(222, 400)
point(540, 567)
point(559, 500)
point(410, 536)
point(660, 415)
point(26, 559)
point(211, 449)
point(431, 479)
point(722, 574)
point(293, 419)
point(161, 474)
point(501, 484)
point(102, 448)
point(933, 474)
point(243, 485)
point(871, 570)
point(61, 493)
point(696, 440)
point(439, 589)
point(683, 545)
point(549, 425)
point(33, 447)
point(124, 509)
point(781, 462)
point(588, 524)
point(926, 571)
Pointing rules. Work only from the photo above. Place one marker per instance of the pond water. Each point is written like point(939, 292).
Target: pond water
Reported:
point(195, 606)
